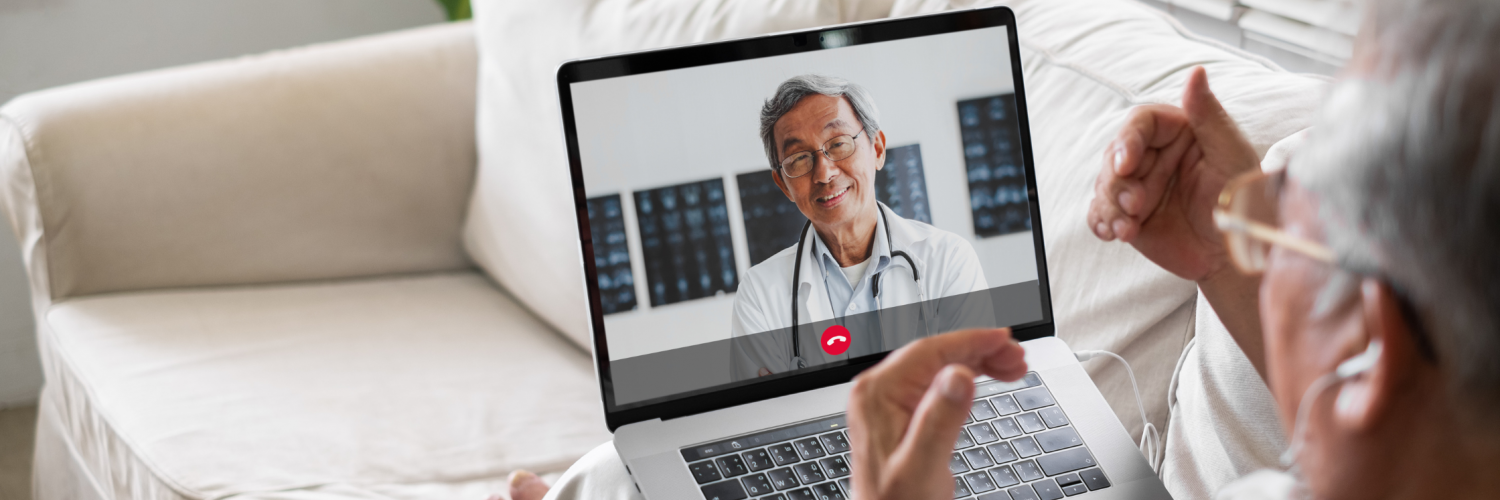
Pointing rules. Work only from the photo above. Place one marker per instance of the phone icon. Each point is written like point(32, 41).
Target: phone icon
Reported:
point(835, 340)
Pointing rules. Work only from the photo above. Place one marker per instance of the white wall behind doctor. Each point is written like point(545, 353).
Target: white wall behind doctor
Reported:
point(44, 43)
point(666, 128)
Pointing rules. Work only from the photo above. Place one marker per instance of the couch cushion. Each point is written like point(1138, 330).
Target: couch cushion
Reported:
point(328, 387)
point(348, 159)
point(521, 226)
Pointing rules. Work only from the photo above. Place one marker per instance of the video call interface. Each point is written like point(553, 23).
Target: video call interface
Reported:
point(694, 240)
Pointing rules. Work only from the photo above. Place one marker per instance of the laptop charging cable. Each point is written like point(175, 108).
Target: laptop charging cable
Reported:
point(1150, 440)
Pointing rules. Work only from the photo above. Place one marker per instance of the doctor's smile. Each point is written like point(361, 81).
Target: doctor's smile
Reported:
point(833, 199)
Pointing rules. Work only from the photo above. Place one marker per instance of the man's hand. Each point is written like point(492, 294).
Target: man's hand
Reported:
point(1161, 179)
point(905, 413)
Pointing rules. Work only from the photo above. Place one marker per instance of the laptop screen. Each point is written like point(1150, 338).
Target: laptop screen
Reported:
point(897, 167)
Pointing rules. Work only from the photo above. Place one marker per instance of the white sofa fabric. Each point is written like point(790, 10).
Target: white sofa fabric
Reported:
point(296, 165)
point(354, 385)
point(250, 282)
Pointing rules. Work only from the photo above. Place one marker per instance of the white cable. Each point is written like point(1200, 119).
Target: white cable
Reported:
point(1149, 438)
point(1346, 370)
point(1172, 399)
point(1299, 426)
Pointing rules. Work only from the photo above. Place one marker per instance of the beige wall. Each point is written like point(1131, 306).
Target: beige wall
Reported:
point(44, 43)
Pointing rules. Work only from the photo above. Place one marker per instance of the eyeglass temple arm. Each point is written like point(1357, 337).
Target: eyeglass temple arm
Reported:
point(1229, 222)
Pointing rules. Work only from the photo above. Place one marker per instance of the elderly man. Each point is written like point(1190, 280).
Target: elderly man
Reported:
point(1361, 281)
point(854, 256)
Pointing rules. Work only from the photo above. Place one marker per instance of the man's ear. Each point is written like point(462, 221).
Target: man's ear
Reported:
point(1365, 399)
point(877, 140)
point(781, 183)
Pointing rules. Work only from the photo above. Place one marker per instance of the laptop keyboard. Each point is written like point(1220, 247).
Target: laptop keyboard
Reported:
point(1016, 445)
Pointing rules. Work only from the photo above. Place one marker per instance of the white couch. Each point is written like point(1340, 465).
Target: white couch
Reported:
point(299, 275)
point(250, 282)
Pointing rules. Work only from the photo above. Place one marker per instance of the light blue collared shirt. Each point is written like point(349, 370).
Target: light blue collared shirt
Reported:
point(847, 298)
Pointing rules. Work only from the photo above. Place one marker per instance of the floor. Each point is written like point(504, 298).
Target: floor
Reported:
point(17, 425)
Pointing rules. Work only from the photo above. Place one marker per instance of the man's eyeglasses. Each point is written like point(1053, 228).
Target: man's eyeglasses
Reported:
point(836, 149)
point(1249, 216)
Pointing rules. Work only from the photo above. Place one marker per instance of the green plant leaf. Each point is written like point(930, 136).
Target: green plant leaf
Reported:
point(458, 10)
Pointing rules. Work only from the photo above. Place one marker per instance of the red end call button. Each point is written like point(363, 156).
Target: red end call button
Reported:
point(835, 340)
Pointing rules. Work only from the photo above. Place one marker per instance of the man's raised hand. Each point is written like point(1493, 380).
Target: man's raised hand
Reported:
point(1162, 176)
point(905, 413)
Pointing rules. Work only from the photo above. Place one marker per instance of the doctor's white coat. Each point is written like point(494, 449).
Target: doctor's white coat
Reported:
point(946, 263)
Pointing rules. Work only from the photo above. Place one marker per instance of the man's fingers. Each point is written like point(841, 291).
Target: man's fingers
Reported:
point(1137, 167)
point(1202, 106)
point(1009, 364)
point(921, 360)
point(1216, 132)
point(1096, 221)
point(1122, 204)
point(1107, 221)
point(1129, 194)
point(1105, 212)
point(934, 426)
point(1123, 156)
point(1192, 156)
point(904, 375)
point(1146, 127)
point(1147, 194)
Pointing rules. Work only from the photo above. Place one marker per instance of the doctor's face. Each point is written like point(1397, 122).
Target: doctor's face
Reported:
point(833, 195)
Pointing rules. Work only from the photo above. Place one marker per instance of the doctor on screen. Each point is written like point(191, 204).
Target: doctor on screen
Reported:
point(856, 255)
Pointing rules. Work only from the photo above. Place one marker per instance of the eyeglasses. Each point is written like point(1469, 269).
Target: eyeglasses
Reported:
point(1249, 215)
point(836, 149)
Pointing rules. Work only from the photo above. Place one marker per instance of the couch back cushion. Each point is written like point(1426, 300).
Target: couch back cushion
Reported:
point(521, 227)
point(348, 159)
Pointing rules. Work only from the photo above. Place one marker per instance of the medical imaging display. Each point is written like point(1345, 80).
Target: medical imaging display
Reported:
point(771, 220)
point(992, 155)
point(685, 241)
point(902, 185)
point(611, 254)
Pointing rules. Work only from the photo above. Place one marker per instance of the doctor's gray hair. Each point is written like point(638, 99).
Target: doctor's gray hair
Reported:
point(1405, 162)
point(796, 88)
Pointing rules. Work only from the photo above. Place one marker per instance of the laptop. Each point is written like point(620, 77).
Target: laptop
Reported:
point(723, 368)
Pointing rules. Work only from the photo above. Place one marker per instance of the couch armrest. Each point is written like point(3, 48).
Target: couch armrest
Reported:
point(346, 159)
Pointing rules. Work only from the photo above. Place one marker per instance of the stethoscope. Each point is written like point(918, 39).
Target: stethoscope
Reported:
point(874, 280)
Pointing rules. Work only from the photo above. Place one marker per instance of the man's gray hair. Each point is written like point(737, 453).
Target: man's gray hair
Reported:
point(796, 88)
point(1405, 162)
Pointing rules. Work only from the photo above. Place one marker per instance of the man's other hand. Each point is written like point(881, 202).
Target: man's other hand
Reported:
point(1161, 180)
point(905, 413)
